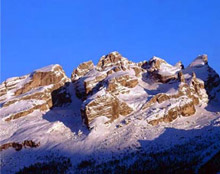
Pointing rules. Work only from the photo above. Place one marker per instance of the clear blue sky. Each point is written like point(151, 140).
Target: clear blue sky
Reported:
point(36, 33)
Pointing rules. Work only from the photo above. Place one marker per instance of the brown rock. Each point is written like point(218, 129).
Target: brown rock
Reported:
point(82, 70)
point(18, 146)
point(52, 78)
point(137, 71)
point(158, 98)
point(39, 78)
point(116, 69)
point(30, 143)
point(91, 84)
point(110, 72)
point(188, 109)
point(131, 83)
point(181, 77)
point(111, 60)
point(162, 97)
point(107, 105)
point(122, 81)
point(154, 63)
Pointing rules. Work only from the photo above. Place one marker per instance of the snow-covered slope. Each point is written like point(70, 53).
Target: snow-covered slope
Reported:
point(114, 117)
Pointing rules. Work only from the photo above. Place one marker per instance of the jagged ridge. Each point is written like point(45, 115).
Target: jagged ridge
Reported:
point(120, 101)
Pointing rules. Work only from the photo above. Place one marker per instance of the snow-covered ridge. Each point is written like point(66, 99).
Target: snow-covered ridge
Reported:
point(48, 68)
point(200, 60)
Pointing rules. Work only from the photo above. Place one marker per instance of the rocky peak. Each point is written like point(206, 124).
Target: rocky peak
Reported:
point(52, 74)
point(161, 71)
point(206, 74)
point(110, 60)
point(179, 65)
point(32, 92)
point(154, 63)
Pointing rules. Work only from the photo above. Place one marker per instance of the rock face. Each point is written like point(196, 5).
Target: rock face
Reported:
point(121, 84)
point(110, 60)
point(106, 105)
point(101, 86)
point(181, 103)
point(33, 92)
point(43, 77)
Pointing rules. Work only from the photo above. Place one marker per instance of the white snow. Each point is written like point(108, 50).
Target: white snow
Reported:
point(198, 62)
point(47, 68)
point(168, 70)
point(20, 106)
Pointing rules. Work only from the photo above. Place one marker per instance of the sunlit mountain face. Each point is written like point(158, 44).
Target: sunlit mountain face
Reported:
point(117, 116)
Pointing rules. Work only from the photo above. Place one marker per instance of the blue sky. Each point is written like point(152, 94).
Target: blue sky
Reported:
point(36, 33)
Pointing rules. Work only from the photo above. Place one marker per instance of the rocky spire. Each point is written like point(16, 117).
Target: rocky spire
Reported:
point(181, 77)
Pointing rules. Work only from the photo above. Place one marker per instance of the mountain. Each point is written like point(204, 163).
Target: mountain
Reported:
point(114, 117)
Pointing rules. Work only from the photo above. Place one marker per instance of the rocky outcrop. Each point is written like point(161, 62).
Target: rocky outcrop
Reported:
point(187, 109)
point(112, 59)
point(206, 74)
point(90, 84)
point(161, 71)
point(82, 70)
point(106, 105)
point(138, 71)
point(179, 65)
point(43, 77)
point(180, 104)
point(181, 77)
point(9, 85)
point(41, 90)
point(121, 81)
point(155, 63)
point(18, 146)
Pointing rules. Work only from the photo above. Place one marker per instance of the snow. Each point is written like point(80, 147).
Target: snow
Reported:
point(99, 122)
point(168, 70)
point(47, 68)
point(20, 106)
point(199, 61)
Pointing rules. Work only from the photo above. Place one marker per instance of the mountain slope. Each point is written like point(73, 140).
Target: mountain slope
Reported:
point(112, 114)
